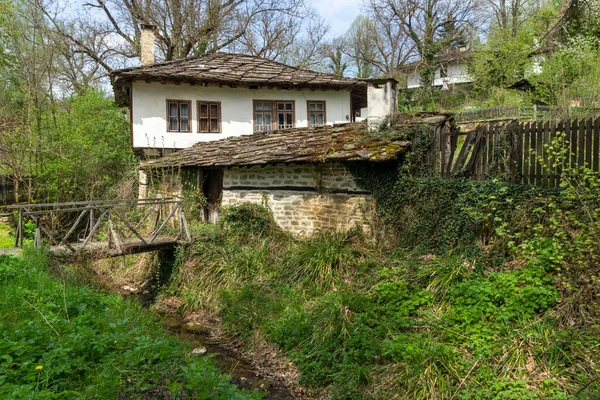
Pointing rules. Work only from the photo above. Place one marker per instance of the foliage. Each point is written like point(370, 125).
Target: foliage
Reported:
point(247, 219)
point(572, 72)
point(7, 239)
point(321, 261)
point(568, 243)
point(429, 214)
point(501, 60)
point(92, 125)
point(365, 322)
point(61, 340)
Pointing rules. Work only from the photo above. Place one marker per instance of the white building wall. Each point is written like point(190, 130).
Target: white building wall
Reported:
point(149, 111)
point(457, 73)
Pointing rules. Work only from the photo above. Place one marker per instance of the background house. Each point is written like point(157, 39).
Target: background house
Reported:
point(451, 70)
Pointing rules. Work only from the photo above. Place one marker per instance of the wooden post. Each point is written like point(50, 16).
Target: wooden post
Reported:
point(19, 238)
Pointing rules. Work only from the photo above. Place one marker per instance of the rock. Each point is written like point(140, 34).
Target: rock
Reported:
point(130, 289)
point(194, 327)
point(199, 351)
point(264, 384)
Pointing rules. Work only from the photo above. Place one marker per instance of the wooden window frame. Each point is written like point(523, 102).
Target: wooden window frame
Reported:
point(219, 120)
point(179, 102)
point(274, 117)
point(308, 112)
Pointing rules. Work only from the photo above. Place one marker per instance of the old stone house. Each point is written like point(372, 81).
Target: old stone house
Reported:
point(304, 175)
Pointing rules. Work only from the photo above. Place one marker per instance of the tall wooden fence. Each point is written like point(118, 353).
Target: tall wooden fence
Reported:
point(518, 151)
point(7, 191)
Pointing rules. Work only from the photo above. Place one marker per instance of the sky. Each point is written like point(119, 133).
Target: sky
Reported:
point(338, 13)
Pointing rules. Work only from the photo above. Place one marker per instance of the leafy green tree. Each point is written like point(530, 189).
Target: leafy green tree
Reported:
point(86, 149)
point(571, 73)
point(501, 60)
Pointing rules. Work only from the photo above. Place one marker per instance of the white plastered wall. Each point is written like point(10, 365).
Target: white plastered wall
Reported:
point(457, 73)
point(149, 109)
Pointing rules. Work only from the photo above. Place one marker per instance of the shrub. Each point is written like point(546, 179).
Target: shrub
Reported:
point(247, 219)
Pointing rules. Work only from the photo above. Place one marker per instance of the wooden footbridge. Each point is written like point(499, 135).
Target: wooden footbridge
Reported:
point(104, 228)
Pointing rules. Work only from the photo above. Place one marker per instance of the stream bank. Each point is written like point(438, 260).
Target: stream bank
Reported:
point(242, 372)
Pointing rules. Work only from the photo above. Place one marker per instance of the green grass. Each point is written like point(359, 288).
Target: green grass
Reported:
point(7, 240)
point(61, 340)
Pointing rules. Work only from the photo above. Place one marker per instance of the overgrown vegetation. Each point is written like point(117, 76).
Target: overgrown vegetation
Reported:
point(62, 340)
point(484, 290)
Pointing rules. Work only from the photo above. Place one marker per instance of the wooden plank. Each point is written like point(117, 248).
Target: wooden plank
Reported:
point(63, 241)
point(581, 144)
point(539, 149)
point(496, 156)
point(483, 157)
point(442, 139)
point(545, 172)
point(588, 142)
point(464, 151)
point(163, 224)
point(131, 228)
point(490, 148)
point(573, 143)
point(555, 129)
point(526, 147)
point(469, 168)
point(596, 146)
point(453, 144)
point(532, 149)
point(96, 203)
point(518, 143)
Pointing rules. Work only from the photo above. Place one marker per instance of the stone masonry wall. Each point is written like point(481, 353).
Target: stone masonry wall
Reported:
point(303, 198)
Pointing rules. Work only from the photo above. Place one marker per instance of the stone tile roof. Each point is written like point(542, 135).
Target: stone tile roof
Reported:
point(347, 142)
point(233, 70)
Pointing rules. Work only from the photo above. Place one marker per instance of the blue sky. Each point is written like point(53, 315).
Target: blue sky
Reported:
point(338, 13)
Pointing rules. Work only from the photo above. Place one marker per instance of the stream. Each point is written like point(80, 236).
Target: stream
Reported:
point(241, 373)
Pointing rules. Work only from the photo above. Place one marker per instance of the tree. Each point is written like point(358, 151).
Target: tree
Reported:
point(426, 24)
point(108, 32)
point(501, 60)
point(337, 65)
point(375, 45)
point(287, 38)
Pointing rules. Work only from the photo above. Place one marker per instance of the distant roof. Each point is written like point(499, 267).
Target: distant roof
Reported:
point(347, 142)
point(234, 70)
point(454, 56)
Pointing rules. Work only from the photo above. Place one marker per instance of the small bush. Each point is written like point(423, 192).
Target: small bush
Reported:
point(247, 219)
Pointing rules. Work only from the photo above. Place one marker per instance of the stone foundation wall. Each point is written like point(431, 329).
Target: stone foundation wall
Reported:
point(329, 177)
point(303, 198)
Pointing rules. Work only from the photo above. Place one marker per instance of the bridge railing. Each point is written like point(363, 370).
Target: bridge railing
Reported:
point(121, 223)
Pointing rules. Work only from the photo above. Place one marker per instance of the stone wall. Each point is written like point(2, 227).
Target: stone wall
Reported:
point(304, 198)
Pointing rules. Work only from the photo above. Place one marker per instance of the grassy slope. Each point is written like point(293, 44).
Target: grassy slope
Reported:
point(368, 323)
point(65, 341)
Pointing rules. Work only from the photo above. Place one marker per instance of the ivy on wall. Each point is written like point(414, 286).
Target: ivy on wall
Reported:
point(428, 214)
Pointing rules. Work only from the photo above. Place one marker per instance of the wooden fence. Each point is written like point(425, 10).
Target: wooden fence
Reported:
point(518, 151)
point(7, 191)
